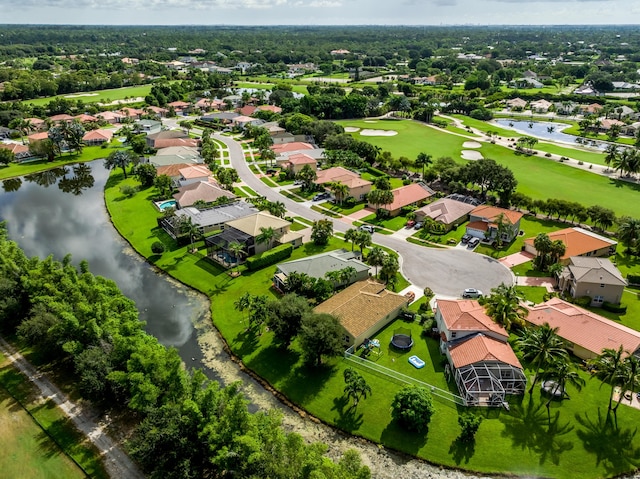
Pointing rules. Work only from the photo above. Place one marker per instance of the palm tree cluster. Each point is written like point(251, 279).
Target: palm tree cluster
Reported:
point(629, 234)
point(358, 237)
point(355, 386)
point(548, 252)
point(505, 306)
point(625, 160)
point(527, 143)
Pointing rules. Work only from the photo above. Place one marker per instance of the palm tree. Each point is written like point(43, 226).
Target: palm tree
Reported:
point(629, 233)
point(543, 245)
point(277, 208)
point(267, 235)
point(389, 269)
point(355, 386)
point(119, 159)
point(631, 377)
point(422, 161)
point(345, 275)
point(380, 198)
point(363, 240)
point(339, 190)
point(243, 303)
point(541, 347)
point(563, 372)
point(188, 227)
point(611, 153)
point(351, 235)
point(237, 250)
point(376, 257)
point(608, 366)
point(505, 308)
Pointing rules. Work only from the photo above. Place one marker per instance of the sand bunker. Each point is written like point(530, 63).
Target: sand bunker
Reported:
point(351, 129)
point(78, 95)
point(371, 121)
point(471, 144)
point(471, 155)
point(367, 132)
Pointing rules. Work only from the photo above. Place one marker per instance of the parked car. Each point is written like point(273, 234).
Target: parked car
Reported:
point(465, 238)
point(473, 242)
point(418, 225)
point(368, 228)
point(410, 224)
point(321, 196)
point(471, 293)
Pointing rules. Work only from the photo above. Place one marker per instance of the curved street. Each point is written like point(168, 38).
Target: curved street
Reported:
point(446, 271)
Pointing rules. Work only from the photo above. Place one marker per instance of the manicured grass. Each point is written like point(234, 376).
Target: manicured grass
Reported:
point(336, 208)
point(393, 224)
point(37, 439)
point(325, 211)
point(99, 95)
point(485, 127)
point(631, 319)
point(574, 153)
point(574, 442)
point(531, 226)
point(394, 182)
point(291, 196)
point(268, 181)
point(526, 269)
point(89, 153)
point(626, 263)
point(448, 238)
point(535, 294)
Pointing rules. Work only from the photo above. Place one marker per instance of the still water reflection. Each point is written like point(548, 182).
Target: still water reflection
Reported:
point(62, 211)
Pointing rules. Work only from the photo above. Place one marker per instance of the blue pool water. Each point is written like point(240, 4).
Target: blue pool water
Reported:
point(167, 204)
point(540, 129)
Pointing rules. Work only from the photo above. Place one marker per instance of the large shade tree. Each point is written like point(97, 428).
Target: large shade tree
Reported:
point(119, 159)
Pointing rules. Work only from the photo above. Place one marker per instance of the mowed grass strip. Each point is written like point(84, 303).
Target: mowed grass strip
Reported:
point(98, 95)
point(37, 439)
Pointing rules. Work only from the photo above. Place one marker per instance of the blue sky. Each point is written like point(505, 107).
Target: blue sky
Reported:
point(320, 12)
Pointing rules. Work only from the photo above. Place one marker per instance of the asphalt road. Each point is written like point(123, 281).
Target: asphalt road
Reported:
point(446, 271)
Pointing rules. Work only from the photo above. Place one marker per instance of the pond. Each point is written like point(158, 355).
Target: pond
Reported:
point(62, 211)
point(546, 130)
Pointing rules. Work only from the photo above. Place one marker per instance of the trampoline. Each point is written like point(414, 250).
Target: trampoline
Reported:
point(402, 339)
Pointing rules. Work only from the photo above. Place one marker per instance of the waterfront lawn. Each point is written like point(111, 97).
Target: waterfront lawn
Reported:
point(89, 153)
point(37, 438)
point(575, 441)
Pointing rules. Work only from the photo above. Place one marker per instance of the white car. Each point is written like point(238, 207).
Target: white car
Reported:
point(368, 228)
point(471, 293)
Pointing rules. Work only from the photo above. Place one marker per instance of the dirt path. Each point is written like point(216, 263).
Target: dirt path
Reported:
point(116, 462)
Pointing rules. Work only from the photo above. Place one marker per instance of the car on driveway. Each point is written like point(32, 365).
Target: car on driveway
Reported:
point(418, 225)
point(368, 228)
point(473, 242)
point(410, 224)
point(465, 238)
point(321, 196)
point(471, 293)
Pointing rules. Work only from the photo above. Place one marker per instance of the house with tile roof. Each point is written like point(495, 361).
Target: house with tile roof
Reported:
point(292, 146)
point(61, 118)
point(193, 174)
point(413, 194)
point(540, 106)
point(97, 137)
point(36, 123)
point(481, 360)
point(42, 135)
point(358, 187)
point(165, 135)
point(20, 152)
point(584, 333)
point(294, 163)
point(363, 309)
point(111, 116)
point(487, 222)
point(245, 230)
point(208, 191)
point(448, 211)
point(578, 242)
point(516, 103)
point(597, 278)
point(317, 266)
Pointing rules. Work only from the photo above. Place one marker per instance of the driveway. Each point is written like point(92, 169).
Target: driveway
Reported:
point(446, 271)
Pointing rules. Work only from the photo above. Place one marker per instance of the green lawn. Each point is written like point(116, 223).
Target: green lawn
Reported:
point(526, 269)
point(89, 153)
point(588, 156)
point(631, 319)
point(393, 224)
point(452, 237)
point(37, 439)
point(336, 208)
point(535, 294)
point(576, 442)
point(99, 95)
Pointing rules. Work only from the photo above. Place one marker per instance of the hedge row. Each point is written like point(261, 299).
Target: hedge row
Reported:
point(614, 308)
point(270, 257)
point(633, 278)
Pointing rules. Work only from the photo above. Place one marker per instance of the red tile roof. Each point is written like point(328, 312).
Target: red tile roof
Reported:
point(467, 315)
point(301, 159)
point(166, 142)
point(491, 213)
point(407, 195)
point(15, 148)
point(246, 110)
point(98, 135)
point(38, 136)
point(482, 349)
point(61, 117)
point(172, 171)
point(195, 171)
point(293, 146)
point(584, 328)
point(273, 108)
point(338, 174)
point(577, 241)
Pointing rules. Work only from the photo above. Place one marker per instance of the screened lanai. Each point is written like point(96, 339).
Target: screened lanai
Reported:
point(487, 384)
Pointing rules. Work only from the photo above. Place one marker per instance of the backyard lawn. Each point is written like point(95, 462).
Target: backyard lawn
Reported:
point(393, 224)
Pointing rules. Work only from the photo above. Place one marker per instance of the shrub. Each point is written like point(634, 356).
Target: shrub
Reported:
point(270, 257)
point(469, 424)
point(428, 293)
point(583, 301)
point(412, 407)
point(548, 155)
point(614, 308)
point(157, 247)
point(128, 190)
point(633, 278)
point(581, 162)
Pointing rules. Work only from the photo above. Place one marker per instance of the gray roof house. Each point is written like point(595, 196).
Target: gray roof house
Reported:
point(317, 266)
point(207, 220)
point(591, 276)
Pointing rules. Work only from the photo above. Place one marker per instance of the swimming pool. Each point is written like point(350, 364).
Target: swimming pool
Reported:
point(163, 205)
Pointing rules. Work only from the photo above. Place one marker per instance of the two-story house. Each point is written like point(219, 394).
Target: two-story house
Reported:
point(597, 278)
point(491, 223)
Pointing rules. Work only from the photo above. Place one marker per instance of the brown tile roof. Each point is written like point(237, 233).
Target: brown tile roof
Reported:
point(246, 110)
point(172, 171)
point(338, 174)
point(38, 136)
point(208, 191)
point(15, 148)
point(467, 315)
point(491, 213)
point(362, 305)
point(61, 117)
point(478, 225)
point(98, 135)
point(445, 210)
point(84, 118)
point(164, 143)
point(301, 159)
point(195, 171)
point(178, 104)
point(273, 108)
point(577, 241)
point(293, 146)
point(158, 109)
point(252, 224)
point(407, 195)
point(584, 328)
point(480, 349)
point(110, 115)
point(131, 112)
point(35, 122)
